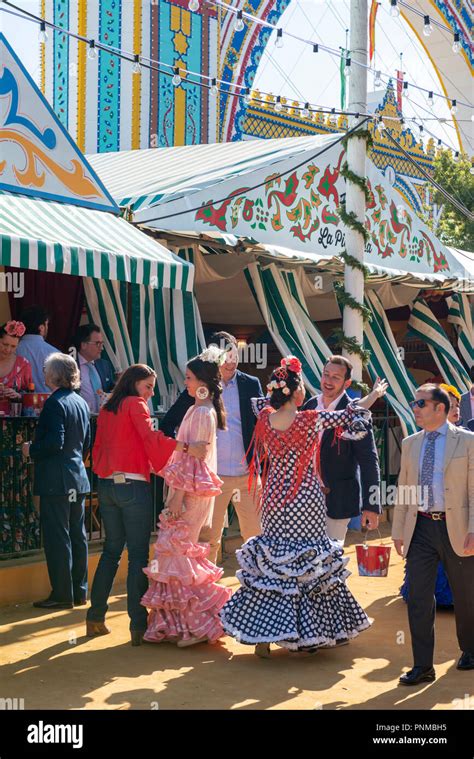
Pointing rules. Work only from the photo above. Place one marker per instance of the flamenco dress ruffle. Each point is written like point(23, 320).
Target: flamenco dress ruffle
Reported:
point(292, 593)
point(183, 595)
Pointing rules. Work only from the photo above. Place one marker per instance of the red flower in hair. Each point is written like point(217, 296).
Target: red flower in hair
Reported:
point(292, 363)
point(15, 329)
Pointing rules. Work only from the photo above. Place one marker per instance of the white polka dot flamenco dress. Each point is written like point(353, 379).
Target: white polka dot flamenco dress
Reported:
point(293, 590)
point(183, 596)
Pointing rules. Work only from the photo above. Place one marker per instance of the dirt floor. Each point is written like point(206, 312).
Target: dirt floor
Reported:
point(46, 660)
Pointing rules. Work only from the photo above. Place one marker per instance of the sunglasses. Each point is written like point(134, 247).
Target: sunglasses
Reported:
point(421, 403)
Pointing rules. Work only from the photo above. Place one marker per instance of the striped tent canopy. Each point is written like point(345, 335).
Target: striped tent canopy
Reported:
point(460, 314)
point(57, 237)
point(165, 330)
point(424, 324)
point(282, 306)
point(386, 361)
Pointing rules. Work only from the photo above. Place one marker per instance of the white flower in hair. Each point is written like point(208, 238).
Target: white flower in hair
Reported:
point(213, 354)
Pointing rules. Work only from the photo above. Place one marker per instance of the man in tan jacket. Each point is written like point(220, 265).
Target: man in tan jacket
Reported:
point(434, 521)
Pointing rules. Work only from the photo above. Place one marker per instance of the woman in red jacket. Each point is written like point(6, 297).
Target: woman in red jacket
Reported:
point(127, 449)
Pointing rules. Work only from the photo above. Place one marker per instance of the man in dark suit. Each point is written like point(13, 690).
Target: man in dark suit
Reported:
point(232, 445)
point(97, 374)
point(349, 468)
point(62, 437)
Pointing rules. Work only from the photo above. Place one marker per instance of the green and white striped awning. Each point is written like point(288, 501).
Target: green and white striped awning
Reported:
point(56, 237)
point(424, 324)
point(165, 329)
point(283, 308)
point(460, 314)
point(386, 361)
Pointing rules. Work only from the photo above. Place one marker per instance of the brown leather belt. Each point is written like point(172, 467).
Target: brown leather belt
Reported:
point(436, 516)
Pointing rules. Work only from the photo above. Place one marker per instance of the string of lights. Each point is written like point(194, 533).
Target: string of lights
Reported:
point(211, 82)
point(240, 15)
point(180, 77)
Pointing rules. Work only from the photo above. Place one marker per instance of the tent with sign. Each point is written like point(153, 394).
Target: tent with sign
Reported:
point(259, 221)
point(57, 217)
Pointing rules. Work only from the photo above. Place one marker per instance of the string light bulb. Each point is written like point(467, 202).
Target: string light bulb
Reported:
point(279, 38)
point(193, 5)
point(305, 111)
point(456, 156)
point(347, 68)
point(454, 107)
point(315, 48)
point(92, 52)
point(456, 43)
point(394, 9)
point(380, 126)
point(213, 88)
point(278, 104)
point(239, 22)
point(405, 89)
point(247, 97)
point(136, 64)
point(427, 28)
point(43, 34)
point(176, 80)
point(378, 79)
point(430, 99)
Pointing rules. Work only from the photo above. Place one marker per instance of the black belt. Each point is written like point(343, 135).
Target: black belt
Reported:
point(436, 516)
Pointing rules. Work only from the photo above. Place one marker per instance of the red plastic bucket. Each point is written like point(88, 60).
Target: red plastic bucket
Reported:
point(373, 561)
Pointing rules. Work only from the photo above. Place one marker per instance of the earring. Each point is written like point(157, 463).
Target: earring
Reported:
point(202, 393)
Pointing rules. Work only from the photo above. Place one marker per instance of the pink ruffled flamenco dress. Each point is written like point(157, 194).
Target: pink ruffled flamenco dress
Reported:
point(183, 596)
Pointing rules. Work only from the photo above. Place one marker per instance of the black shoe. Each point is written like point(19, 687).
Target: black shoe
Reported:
point(80, 602)
point(466, 661)
point(418, 675)
point(136, 637)
point(50, 603)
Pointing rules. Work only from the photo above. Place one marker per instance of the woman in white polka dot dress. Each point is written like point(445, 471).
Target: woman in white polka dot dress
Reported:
point(293, 591)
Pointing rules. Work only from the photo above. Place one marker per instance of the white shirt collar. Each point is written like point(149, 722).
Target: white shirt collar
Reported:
point(332, 406)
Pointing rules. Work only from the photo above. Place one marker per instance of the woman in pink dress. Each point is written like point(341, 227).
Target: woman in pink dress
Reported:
point(15, 371)
point(183, 596)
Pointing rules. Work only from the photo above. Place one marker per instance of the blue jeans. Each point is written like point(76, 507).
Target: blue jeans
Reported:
point(126, 511)
point(65, 546)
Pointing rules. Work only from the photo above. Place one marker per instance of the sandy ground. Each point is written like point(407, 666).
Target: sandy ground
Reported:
point(46, 660)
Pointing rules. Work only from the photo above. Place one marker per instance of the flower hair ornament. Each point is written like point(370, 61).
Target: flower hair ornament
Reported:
point(290, 363)
point(14, 329)
point(214, 355)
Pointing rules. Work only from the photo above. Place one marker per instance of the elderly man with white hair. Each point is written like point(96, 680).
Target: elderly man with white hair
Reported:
point(62, 437)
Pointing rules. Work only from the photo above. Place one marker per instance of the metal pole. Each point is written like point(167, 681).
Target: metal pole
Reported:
point(356, 155)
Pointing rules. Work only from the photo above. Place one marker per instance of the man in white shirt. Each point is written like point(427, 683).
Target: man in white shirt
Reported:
point(33, 345)
point(349, 469)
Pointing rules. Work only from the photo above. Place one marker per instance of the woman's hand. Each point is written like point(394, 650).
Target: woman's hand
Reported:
point(9, 392)
point(175, 503)
point(380, 387)
point(198, 450)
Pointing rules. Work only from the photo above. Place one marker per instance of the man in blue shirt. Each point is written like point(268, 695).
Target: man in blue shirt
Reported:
point(33, 345)
point(233, 445)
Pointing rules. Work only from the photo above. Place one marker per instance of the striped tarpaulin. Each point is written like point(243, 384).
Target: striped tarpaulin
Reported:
point(56, 237)
point(165, 330)
point(283, 308)
point(424, 324)
point(386, 361)
point(460, 314)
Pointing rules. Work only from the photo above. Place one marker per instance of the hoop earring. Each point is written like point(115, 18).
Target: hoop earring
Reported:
point(202, 393)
